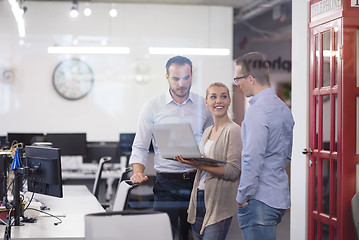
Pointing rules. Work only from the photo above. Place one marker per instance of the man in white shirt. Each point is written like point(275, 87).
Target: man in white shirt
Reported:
point(174, 180)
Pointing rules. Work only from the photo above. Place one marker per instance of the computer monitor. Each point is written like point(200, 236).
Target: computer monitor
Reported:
point(25, 138)
point(71, 144)
point(45, 170)
point(96, 150)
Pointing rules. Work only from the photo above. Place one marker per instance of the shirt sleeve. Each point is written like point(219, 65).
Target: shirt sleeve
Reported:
point(255, 138)
point(141, 143)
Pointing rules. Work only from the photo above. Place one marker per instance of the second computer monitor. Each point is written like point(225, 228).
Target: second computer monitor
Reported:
point(71, 144)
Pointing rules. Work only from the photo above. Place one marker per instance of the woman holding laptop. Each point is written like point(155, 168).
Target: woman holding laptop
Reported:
point(212, 203)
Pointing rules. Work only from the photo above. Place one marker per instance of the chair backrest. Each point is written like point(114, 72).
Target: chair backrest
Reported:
point(128, 225)
point(355, 214)
point(123, 191)
point(96, 185)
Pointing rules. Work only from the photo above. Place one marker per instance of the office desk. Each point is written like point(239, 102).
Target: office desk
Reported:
point(110, 173)
point(76, 203)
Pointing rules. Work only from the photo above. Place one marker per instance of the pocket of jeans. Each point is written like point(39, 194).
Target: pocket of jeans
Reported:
point(242, 210)
point(243, 216)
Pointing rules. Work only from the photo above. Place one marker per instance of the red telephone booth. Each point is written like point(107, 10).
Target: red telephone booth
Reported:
point(333, 152)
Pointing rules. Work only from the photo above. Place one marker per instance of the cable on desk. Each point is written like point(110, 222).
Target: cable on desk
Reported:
point(55, 223)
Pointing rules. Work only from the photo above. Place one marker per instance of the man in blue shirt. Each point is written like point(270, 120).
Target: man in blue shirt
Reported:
point(174, 180)
point(267, 135)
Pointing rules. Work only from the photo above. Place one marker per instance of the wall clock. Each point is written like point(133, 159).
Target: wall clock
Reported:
point(73, 79)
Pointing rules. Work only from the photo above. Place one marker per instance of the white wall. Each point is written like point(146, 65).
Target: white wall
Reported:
point(299, 173)
point(30, 103)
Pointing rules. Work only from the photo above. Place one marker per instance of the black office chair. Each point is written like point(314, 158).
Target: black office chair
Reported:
point(355, 214)
point(96, 185)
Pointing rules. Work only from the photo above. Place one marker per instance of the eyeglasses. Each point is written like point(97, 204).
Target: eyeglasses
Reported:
point(236, 79)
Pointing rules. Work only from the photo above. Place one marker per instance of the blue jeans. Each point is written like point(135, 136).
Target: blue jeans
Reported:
point(259, 221)
point(217, 231)
point(172, 196)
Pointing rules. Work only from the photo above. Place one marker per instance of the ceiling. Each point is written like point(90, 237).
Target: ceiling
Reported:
point(267, 19)
point(230, 3)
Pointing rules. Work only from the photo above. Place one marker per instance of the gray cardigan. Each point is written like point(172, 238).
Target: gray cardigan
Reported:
point(220, 193)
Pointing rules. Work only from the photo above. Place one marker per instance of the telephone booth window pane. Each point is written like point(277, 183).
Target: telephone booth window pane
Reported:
point(317, 69)
point(326, 58)
point(325, 185)
point(336, 124)
point(316, 184)
point(357, 134)
point(316, 137)
point(335, 188)
point(336, 57)
point(326, 123)
point(325, 231)
point(357, 58)
point(315, 230)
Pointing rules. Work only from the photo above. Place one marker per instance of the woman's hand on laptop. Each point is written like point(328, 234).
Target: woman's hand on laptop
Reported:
point(191, 162)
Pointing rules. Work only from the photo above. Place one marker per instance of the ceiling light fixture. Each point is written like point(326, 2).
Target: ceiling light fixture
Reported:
point(18, 14)
point(87, 12)
point(88, 50)
point(190, 51)
point(113, 12)
point(74, 9)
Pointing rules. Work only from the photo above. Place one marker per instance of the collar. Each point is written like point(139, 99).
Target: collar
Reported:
point(169, 98)
point(264, 92)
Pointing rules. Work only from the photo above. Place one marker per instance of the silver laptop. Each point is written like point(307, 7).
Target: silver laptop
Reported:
point(178, 139)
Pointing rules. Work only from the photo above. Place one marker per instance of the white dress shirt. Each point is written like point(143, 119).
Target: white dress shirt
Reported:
point(163, 109)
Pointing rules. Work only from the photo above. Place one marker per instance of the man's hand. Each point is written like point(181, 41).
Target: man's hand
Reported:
point(138, 177)
point(242, 204)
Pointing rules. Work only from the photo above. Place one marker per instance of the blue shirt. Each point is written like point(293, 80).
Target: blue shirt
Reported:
point(267, 135)
point(163, 109)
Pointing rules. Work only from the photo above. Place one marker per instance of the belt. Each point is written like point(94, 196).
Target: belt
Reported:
point(183, 176)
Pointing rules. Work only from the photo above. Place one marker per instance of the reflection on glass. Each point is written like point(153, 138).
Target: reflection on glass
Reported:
point(317, 69)
point(326, 58)
point(357, 121)
point(357, 57)
point(325, 185)
point(336, 124)
point(316, 185)
point(336, 59)
point(326, 123)
point(335, 187)
point(316, 123)
point(325, 231)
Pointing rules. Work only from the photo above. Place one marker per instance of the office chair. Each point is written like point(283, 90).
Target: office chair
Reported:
point(355, 213)
point(122, 195)
point(128, 225)
point(138, 196)
point(96, 185)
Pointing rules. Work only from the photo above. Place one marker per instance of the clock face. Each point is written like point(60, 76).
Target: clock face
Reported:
point(73, 79)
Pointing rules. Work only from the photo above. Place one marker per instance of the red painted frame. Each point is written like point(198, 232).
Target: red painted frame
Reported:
point(346, 20)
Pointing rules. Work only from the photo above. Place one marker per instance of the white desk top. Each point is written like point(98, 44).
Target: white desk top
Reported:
point(76, 203)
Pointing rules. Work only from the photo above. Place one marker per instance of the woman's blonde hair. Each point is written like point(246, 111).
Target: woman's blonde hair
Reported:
point(217, 84)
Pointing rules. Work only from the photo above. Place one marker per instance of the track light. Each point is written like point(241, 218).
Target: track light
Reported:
point(113, 12)
point(87, 12)
point(74, 9)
